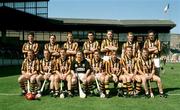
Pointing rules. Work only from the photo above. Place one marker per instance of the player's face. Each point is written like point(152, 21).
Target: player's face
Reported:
point(145, 54)
point(129, 51)
point(46, 55)
point(69, 37)
point(113, 55)
point(109, 35)
point(96, 55)
point(90, 36)
point(30, 55)
point(52, 39)
point(30, 38)
point(79, 55)
point(62, 53)
point(151, 36)
point(130, 37)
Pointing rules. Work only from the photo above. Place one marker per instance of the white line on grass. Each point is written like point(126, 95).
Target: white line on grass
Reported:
point(8, 94)
point(174, 94)
point(16, 94)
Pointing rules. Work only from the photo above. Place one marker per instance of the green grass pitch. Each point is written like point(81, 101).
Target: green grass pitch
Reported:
point(10, 101)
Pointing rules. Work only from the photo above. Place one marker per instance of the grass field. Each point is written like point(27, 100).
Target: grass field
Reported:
point(10, 101)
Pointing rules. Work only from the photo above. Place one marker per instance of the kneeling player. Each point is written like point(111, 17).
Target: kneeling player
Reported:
point(63, 72)
point(46, 71)
point(29, 69)
point(80, 68)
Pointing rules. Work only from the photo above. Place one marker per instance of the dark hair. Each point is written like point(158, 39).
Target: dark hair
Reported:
point(52, 35)
point(31, 33)
point(145, 49)
point(69, 32)
point(151, 31)
point(30, 50)
point(90, 32)
point(128, 47)
point(109, 31)
point(97, 51)
point(63, 49)
point(46, 50)
point(130, 33)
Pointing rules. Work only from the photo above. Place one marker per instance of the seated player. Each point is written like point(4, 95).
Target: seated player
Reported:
point(29, 71)
point(80, 67)
point(63, 72)
point(47, 70)
point(113, 71)
point(146, 69)
point(129, 71)
point(97, 65)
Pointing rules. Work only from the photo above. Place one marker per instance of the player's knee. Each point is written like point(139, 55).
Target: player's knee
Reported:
point(33, 79)
point(56, 78)
point(74, 81)
point(20, 79)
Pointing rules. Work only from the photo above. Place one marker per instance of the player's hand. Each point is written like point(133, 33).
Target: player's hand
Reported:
point(28, 75)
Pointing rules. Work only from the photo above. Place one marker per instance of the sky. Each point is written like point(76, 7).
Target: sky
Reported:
point(117, 9)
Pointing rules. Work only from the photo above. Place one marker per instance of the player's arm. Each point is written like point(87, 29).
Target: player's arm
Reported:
point(57, 66)
point(103, 46)
point(24, 49)
point(75, 49)
point(88, 68)
point(72, 68)
point(139, 69)
point(85, 49)
point(153, 69)
point(41, 67)
point(36, 50)
point(36, 68)
point(114, 47)
point(23, 71)
point(55, 51)
point(124, 69)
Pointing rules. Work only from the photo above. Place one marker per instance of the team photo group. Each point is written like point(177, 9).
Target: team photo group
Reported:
point(91, 70)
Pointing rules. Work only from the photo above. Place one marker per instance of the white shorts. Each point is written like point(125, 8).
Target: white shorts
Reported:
point(157, 62)
point(106, 58)
point(81, 76)
point(98, 76)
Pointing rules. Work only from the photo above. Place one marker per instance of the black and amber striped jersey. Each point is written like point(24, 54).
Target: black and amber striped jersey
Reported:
point(156, 43)
point(97, 65)
point(129, 64)
point(52, 47)
point(47, 66)
point(63, 65)
point(107, 42)
point(135, 48)
point(145, 65)
point(73, 46)
point(89, 46)
point(115, 66)
point(30, 46)
point(30, 65)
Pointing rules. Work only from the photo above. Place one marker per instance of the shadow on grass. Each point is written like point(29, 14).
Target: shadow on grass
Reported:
point(9, 70)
